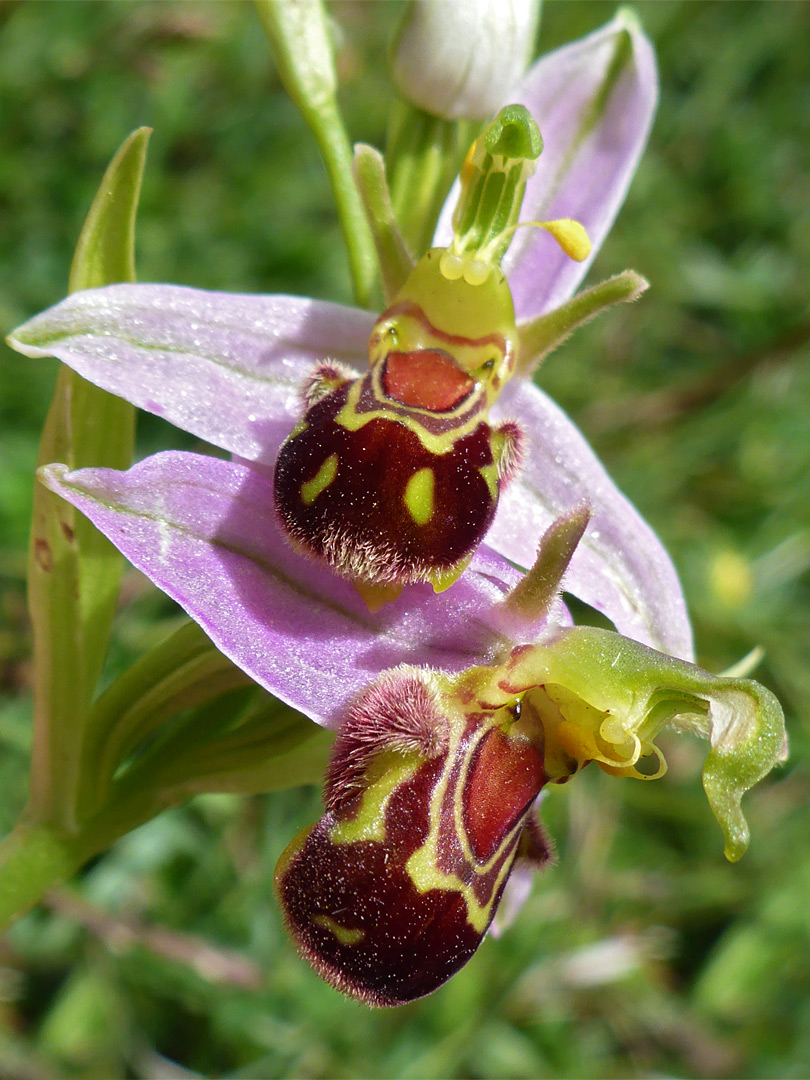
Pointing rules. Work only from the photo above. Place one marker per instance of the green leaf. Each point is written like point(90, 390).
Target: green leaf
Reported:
point(263, 746)
point(244, 742)
point(105, 252)
point(180, 672)
point(74, 572)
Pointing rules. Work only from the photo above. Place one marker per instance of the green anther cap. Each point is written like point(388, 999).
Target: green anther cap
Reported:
point(493, 181)
point(513, 134)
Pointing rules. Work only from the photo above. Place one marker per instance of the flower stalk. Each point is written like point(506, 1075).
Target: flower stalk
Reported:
point(299, 37)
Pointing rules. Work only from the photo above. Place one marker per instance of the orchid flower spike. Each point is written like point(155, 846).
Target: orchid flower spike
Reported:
point(452, 713)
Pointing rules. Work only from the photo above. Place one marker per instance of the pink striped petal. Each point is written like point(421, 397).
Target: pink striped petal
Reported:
point(204, 530)
point(224, 366)
point(620, 567)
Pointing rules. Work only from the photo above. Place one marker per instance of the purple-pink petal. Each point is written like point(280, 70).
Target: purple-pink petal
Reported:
point(226, 367)
point(620, 567)
point(204, 530)
point(229, 368)
point(594, 101)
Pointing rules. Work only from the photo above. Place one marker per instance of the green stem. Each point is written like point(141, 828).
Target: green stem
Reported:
point(299, 37)
point(33, 858)
point(74, 571)
point(327, 126)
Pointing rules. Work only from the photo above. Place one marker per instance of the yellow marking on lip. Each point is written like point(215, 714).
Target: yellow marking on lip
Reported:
point(386, 772)
point(423, 865)
point(419, 495)
point(376, 596)
point(490, 476)
point(443, 579)
point(311, 489)
point(344, 934)
point(300, 427)
point(352, 420)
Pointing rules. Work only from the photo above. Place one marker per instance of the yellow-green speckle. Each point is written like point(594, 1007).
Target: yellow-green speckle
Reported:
point(386, 772)
point(419, 496)
point(490, 475)
point(344, 934)
point(311, 489)
point(443, 579)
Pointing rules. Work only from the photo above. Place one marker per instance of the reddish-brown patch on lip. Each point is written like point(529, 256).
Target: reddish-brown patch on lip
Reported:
point(425, 379)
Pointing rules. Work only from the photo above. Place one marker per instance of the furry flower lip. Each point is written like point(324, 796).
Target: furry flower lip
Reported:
point(393, 477)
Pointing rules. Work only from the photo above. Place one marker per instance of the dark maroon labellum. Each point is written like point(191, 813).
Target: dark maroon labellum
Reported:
point(375, 501)
point(395, 887)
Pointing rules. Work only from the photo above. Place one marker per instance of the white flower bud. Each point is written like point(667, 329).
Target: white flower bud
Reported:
point(459, 59)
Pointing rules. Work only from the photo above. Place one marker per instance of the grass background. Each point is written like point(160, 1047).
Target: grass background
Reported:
point(642, 953)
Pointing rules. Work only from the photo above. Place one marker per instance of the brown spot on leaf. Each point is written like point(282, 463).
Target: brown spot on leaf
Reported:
point(68, 532)
point(43, 554)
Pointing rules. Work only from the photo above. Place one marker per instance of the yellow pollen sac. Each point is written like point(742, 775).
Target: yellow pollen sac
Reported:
point(419, 496)
point(344, 934)
point(311, 489)
point(571, 236)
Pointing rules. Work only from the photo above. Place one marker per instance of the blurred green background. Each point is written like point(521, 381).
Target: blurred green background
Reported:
point(642, 953)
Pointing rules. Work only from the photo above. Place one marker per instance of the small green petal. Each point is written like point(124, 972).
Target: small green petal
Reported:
point(543, 334)
point(395, 260)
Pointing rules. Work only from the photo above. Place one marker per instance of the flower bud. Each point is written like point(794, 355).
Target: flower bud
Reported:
point(459, 59)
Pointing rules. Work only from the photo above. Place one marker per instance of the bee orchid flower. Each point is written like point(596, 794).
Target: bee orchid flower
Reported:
point(452, 712)
point(232, 368)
